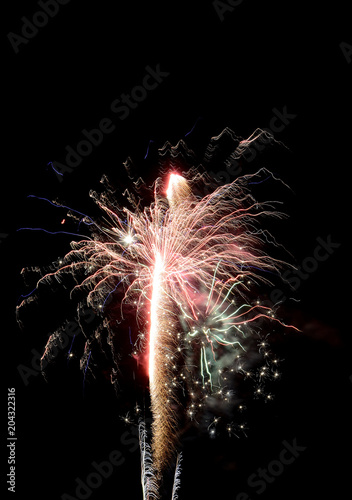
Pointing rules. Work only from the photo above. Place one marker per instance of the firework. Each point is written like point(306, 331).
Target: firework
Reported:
point(185, 265)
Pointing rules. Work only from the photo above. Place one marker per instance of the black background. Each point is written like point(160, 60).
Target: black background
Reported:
point(232, 73)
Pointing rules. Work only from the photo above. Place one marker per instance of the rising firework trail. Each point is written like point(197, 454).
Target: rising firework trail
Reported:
point(184, 267)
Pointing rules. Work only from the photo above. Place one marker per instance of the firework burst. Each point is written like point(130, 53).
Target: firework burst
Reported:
point(186, 265)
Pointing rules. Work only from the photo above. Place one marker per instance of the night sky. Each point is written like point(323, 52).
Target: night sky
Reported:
point(280, 65)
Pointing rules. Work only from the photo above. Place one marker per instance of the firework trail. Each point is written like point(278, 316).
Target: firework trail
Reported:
point(185, 265)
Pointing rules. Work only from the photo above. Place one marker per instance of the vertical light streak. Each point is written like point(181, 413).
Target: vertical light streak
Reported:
point(154, 316)
point(149, 484)
point(162, 343)
point(177, 478)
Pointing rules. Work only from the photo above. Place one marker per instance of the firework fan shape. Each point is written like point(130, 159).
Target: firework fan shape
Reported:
point(185, 266)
